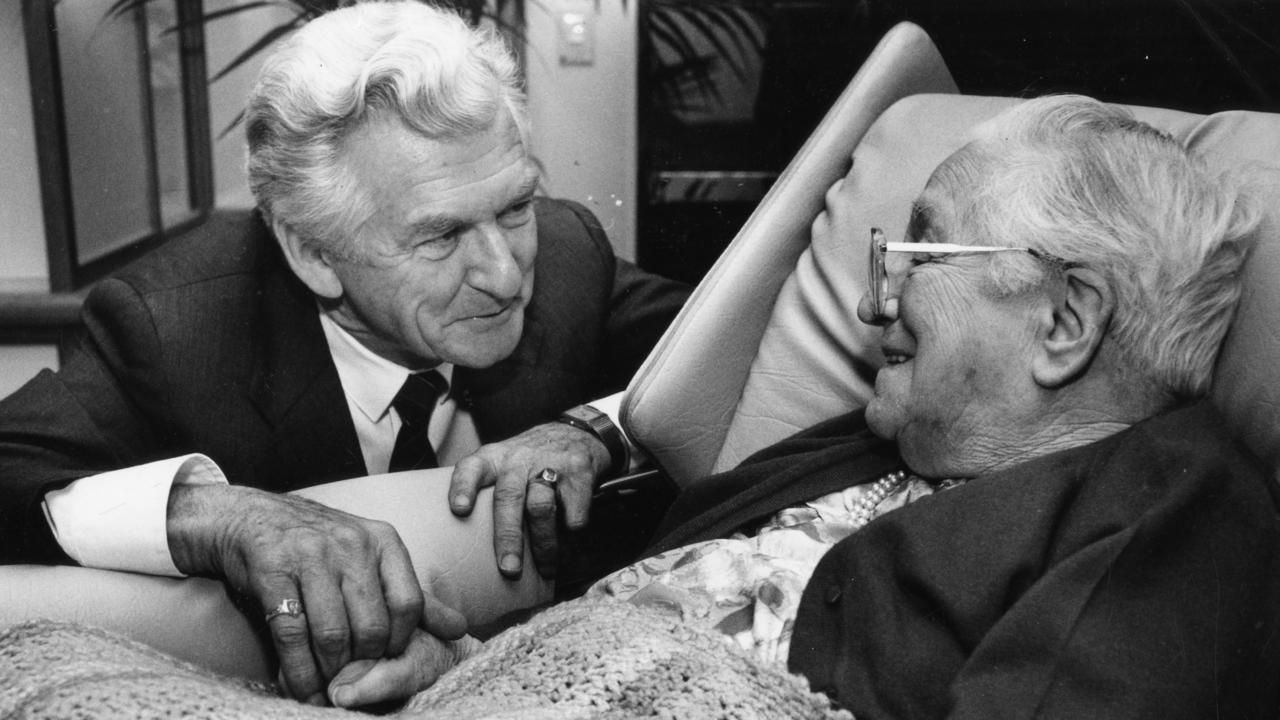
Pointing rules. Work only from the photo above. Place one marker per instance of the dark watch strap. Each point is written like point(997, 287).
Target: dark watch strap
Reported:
point(589, 419)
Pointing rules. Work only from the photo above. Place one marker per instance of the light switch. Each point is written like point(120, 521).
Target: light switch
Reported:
point(576, 32)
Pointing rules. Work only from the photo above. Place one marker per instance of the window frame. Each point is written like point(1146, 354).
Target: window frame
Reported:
point(66, 271)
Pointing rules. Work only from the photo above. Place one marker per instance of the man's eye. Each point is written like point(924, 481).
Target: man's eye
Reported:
point(440, 246)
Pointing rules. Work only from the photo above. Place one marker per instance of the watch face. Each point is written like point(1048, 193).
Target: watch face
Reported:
point(584, 413)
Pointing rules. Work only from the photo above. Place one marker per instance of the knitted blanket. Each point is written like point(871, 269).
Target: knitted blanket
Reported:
point(601, 659)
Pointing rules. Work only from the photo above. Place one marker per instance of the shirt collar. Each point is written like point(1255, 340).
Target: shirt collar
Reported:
point(369, 380)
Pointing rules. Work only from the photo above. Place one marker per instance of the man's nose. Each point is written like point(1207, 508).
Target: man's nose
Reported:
point(493, 267)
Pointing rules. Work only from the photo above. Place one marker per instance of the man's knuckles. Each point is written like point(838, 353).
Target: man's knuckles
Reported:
point(370, 642)
point(331, 641)
point(290, 635)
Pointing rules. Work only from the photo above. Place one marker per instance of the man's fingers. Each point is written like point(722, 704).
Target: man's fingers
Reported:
point(442, 620)
point(403, 595)
point(469, 475)
point(540, 502)
point(576, 491)
point(508, 518)
point(367, 616)
point(327, 621)
point(300, 675)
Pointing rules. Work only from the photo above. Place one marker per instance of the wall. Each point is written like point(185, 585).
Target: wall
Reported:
point(584, 117)
point(225, 38)
point(25, 266)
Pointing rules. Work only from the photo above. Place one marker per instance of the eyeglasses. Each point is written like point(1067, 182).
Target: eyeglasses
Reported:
point(879, 277)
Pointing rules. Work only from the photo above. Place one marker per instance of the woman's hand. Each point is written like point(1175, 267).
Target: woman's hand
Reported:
point(364, 682)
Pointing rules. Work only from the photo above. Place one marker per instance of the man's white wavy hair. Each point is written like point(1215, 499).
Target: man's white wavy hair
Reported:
point(426, 66)
point(1088, 183)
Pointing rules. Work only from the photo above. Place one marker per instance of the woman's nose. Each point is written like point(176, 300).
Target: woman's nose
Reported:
point(867, 310)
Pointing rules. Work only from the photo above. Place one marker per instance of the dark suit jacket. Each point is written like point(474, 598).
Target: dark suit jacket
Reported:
point(1136, 577)
point(211, 345)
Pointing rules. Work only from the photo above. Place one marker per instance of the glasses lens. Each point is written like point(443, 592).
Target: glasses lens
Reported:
point(879, 280)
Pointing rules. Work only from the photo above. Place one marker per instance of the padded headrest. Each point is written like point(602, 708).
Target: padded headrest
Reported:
point(805, 362)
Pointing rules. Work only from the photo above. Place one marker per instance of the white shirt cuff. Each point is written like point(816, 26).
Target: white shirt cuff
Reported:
point(117, 520)
point(612, 406)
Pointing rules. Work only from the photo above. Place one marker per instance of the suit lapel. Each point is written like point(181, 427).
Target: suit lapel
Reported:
point(296, 388)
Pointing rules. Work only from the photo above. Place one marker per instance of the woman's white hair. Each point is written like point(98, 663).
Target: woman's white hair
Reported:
point(1088, 183)
point(426, 66)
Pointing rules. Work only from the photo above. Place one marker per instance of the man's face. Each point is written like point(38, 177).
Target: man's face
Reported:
point(957, 360)
point(445, 262)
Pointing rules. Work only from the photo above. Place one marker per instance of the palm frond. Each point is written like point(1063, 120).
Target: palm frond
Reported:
point(204, 19)
point(267, 38)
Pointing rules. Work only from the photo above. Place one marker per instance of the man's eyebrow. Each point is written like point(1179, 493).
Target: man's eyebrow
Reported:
point(431, 225)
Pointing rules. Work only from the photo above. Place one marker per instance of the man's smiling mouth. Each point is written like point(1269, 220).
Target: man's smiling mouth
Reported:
point(500, 313)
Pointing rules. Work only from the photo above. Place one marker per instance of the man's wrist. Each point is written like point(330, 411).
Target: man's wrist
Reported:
point(598, 424)
point(193, 540)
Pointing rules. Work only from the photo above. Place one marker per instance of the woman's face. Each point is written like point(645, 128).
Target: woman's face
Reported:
point(957, 360)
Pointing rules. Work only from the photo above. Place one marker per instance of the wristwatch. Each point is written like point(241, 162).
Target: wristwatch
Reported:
point(589, 419)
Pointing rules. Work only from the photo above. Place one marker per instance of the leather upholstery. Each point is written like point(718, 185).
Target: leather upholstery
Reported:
point(813, 360)
point(680, 403)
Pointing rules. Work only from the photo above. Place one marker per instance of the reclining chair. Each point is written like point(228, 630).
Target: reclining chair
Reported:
point(769, 344)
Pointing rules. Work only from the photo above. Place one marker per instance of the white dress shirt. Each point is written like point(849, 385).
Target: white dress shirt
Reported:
point(116, 520)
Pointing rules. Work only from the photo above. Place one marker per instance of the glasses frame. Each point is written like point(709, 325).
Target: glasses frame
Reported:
point(878, 277)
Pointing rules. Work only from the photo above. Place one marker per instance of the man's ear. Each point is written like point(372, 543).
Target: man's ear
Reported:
point(1082, 310)
point(308, 261)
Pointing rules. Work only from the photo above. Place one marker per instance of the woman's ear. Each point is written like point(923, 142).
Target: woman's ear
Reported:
point(309, 261)
point(1082, 310)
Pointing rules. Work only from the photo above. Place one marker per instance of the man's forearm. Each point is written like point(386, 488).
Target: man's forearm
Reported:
point(194, 542)
point(117, 520)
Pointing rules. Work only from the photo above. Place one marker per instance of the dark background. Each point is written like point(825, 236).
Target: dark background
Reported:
point(1195, 55)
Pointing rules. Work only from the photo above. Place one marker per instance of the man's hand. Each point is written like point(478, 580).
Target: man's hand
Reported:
point(360, 598)
point(509, 465)
point(364, 682)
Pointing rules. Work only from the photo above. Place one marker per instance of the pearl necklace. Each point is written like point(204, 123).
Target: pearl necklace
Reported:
point(864, 510)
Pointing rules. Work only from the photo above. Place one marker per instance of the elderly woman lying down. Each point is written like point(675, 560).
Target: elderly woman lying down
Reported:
point(1084, 540)
point(1054, 525)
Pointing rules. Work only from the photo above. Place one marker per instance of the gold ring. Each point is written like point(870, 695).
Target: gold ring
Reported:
point(547, 477)
point(288, 606)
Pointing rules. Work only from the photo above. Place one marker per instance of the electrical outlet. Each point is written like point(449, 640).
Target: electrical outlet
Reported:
point(576, 32)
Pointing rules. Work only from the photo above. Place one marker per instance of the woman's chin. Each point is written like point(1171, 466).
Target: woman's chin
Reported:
point(880, 421)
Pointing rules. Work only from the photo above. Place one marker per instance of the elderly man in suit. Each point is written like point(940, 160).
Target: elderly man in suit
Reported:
point(400, 298)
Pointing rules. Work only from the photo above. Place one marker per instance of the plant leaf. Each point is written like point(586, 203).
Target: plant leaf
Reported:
point(239, 118)
point(124, 7)
point(269, 37)
point(204, 19)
